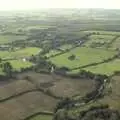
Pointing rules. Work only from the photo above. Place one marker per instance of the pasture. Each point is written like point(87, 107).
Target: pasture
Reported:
point(10, 38)
point(99, 40)
point(52, 53)
point(25, 52)
point(105, 68)
point(18, 64)
point(66, 47)
point(116, 44)
point(83, 56)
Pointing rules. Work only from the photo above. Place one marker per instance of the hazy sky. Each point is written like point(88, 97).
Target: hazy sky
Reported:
point(32, 4)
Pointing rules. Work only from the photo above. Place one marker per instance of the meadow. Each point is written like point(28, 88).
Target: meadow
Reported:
point(99, 40)
point(105, 68)
point(52, 53)
point(10, 38)
point(116, 44)
point(83, 56)
point(20, 53)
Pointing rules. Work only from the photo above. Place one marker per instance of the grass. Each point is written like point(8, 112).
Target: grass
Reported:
point(38, 27)
point(18, 64)
point(66, 47)
point(42, 117)
point(116, 44)
point(11, 38)
point(101, 40)
point(52, 53)
point(83, 55)
point(106, 68)
point(25, 52)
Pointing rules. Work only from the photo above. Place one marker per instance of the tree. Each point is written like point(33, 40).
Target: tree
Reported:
point(7, 68)
point(72, 57)
point(0, 60)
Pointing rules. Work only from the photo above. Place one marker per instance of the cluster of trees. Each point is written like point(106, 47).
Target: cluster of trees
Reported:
point(7, 68)
point(41, 64)
point(98, 112)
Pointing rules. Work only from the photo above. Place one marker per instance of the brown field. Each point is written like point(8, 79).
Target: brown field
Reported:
point(18, 107)
point(36, 77)
point(70, 87)
point(15, 88)
point(61, 86)
point(27, 104)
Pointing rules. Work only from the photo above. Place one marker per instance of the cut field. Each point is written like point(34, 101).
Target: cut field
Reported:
point(58, 85)
point(15, 88)
point(11, 38)
point(25, 52)
point(69, 87)
point(83, 56)
point(25, 105)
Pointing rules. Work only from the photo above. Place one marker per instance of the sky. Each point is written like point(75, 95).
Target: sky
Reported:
point(37, 4)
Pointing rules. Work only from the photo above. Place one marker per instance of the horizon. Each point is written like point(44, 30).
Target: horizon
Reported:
point(13, 5)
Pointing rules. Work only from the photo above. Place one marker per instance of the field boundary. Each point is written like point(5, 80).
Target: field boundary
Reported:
point(38, 113)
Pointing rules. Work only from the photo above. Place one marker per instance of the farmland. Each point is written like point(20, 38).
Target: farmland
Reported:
point(18, 95)
point(56, 64)
point(10, 38)
point(84, 56)
point(99, 40)
point(42, 117)
point(25, 52)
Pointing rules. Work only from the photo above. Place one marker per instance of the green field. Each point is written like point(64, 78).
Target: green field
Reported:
point(83, 55)
point(99, 40)
point(103, 32)
point(11, 38)
point(37, 27)
point(116, 44)
point(66, 47)
point(18, 64)
point(42, 117)
point(106, 68)
point(52, 53)
point(25, 52)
